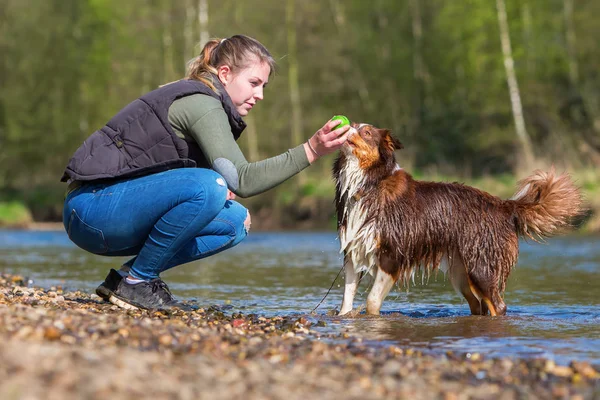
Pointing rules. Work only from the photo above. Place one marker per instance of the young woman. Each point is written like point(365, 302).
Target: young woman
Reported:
point(157, 182)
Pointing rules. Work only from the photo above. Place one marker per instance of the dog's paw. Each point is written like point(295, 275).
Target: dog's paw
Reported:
point(353, 313)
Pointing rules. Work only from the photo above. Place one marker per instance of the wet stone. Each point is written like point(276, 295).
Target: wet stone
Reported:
point(61, 344)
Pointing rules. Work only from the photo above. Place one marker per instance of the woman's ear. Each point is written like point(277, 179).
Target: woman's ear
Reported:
point(224, 74)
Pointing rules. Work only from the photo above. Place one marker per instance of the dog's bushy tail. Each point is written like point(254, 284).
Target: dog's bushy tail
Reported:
point(546, 204)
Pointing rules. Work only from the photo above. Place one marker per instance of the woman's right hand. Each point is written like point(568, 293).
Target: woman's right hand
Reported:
point(326, 140)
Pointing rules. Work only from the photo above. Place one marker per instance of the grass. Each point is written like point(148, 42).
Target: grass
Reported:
point(14, 214)
point(502, 185)
point(318, 188)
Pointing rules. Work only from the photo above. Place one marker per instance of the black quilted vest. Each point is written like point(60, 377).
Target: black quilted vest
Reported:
point(139, 140)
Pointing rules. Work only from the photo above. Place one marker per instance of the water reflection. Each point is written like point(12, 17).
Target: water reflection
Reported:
point(552, 295)
point(522, 336)
point(403, 328)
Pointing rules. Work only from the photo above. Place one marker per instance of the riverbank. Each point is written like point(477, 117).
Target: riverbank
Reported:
point(308, 206)
point(72, 345)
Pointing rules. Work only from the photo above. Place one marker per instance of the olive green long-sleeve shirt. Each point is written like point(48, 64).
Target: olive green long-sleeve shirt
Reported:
point(203, 119)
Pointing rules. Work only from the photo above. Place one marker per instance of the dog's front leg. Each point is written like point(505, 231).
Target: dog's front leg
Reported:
point(381, 287)
point(350, 286)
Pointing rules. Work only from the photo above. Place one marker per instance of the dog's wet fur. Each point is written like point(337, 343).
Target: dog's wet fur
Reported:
point(391, 225)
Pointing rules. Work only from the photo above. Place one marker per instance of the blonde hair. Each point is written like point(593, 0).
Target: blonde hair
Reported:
point(237, 52)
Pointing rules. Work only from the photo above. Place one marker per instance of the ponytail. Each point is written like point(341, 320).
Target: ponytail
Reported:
point(200, 68)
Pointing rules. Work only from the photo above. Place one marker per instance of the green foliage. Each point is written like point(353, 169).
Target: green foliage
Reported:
point(14, 214)
point(430, 70)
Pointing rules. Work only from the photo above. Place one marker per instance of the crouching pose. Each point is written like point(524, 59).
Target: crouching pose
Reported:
point(158, 181)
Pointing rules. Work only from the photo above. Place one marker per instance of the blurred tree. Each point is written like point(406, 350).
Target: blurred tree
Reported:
point(430, 70)
point(513, 87)
point(203, 22)
point(576, 110)
point(293, 78)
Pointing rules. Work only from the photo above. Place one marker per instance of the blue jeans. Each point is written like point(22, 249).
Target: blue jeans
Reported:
point(164, 219)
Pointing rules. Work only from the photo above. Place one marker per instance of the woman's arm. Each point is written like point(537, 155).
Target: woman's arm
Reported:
point(245, 179)
point(203, 118)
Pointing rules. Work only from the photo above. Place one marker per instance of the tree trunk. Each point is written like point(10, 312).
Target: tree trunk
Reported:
point(571, 41)
point(339, 19)
point(188, 32)
point(203, 22)
point(577, 105)
point(293, 78)
point(3, 79)
point(387, 81)
point(178, 12)
point(167, 41)
point(252, 138)
point(513, 87)
point(418, 66)
point(527, 37)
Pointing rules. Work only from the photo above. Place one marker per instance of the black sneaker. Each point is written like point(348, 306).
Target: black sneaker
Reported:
point(109, 285)
point(149, 295)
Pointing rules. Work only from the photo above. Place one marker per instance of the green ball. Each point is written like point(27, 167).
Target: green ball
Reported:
point(343, 121)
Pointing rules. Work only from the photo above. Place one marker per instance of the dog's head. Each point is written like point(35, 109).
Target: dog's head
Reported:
point(371, 146)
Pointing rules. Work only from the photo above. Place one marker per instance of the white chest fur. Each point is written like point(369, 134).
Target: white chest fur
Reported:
point(358, 240)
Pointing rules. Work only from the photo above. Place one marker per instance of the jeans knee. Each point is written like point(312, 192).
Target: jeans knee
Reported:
point(207, 185)
point(241, 221)
point(247, 221)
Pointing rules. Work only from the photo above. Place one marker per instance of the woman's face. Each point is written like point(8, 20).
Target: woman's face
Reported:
point(246, 86)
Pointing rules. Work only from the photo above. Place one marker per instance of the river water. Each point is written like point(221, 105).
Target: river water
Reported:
point(553, 295)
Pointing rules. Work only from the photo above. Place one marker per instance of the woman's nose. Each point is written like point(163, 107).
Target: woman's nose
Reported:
point(258, 94)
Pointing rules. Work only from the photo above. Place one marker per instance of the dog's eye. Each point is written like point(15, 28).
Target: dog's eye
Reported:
point(368, 133)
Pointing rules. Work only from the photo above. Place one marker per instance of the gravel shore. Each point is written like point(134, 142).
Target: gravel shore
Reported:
point(73, 345)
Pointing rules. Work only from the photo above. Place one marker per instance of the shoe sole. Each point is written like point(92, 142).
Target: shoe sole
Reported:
point(103, 292)
point(128, 306)
point(114, 299)
point(120, 303)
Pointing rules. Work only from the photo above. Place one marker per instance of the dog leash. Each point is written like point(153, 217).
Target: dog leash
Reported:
point(330, 287)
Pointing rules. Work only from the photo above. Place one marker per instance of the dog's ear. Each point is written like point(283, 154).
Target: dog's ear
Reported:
point(397, 144)
point(390, 140)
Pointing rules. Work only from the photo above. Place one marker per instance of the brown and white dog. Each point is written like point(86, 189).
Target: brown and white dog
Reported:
point(391, 225)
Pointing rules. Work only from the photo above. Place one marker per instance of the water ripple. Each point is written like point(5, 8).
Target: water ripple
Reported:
point(552, 295)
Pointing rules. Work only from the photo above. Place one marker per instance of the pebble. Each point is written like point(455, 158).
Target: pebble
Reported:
point(51, 333)
point(57, 344)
